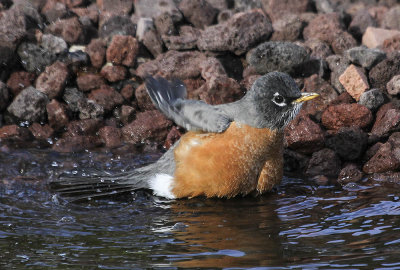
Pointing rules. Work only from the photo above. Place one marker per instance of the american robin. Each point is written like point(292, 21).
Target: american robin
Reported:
point(230, 149)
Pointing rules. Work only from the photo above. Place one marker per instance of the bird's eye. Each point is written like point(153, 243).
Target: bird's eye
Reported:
point(279, 100)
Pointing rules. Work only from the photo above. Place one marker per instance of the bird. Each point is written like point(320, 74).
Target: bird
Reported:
point(229, 150)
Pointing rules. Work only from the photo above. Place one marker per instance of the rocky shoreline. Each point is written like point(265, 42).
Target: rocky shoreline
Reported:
point(71, 74)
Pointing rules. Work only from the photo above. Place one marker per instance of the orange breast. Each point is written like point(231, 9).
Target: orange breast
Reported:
point(223, 164)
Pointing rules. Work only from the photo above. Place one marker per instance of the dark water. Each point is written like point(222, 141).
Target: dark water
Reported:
point(298, 226)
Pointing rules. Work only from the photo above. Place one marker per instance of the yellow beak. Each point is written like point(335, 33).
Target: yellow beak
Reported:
point(305, 97)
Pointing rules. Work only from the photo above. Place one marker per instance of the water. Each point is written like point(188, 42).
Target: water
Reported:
point(298, 226)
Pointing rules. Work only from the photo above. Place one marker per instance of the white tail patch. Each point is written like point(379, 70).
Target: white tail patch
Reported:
point(161, 184)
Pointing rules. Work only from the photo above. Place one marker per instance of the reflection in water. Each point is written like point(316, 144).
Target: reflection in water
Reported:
point(298, 226)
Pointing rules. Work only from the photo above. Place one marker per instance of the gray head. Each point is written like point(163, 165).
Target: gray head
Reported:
point(274, 100)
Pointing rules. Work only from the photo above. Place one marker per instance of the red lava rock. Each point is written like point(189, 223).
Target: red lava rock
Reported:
point(248, 81)
point(123, 50)
point(191, 86)
point(20, 80)
point(384, 160)
point(73, 3)
point(143, 99)
point(374, 37)
point(391, 19)
point(165, 25)
point(319, 48)
point(88, 81)
point(41, 132)
point(381, 74)
point(220, 90)
point(53, 80)
point(13, 132)
point(186, 40)
point(324, 162)
point(386, 121)
point(391, 44)
point(90, 12)
point(173, 136)
point(287, 28)
point(111, 136)
point(354, 81)
point(4, 96)
point(372, 151)
point(393, 86)
point(116, 6)
point(149, 125)
point(343, 98)
point(277, 9)
point(69, 29)
point(128, 92)
point(304, 135)
point(54, 10)
point(83, 127)
point(153, 9)
point(57, 115)
point(198, 12)
point(346, 115)
point(294, 161)
point(349, 174)
point(127, 114)
point(348, 142)
point(153, 42)
point(378, 13)
point(360, 22)
point(76, 143)
point(238, 34)
point(97, 52)
point(113, 73)
point(106, 97)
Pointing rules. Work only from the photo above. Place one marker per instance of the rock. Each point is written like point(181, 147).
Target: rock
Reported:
point(388, 177)
point(69, 29)
point(343, 42)
point(4, 96)
point(372, 99)
point(153, 42)
point(154, 8)
point(143, 99)
point(89, 109)
point(89, 81)
point(224, 15)
point(393, 86)
point(186, 40)
point(348, 142)
point(29, 105)
point(14, 132)
point(117, 25)
point(343, 98)
point(126, 114)
point(54, 10)
point(34, 58)
point(387, 120)
point(391, 44)
point(76, 60)
point(72, 96)
point(360, 22)
point(238, 34)
point(116, 6)
point(279, 9)
point(128, 92)
point(106, 97)
point(113, 73)
point(303, 135)
point(56, 115)
point(53, 80)
point(76, 144)
point(349, 174)
point(90, 13)
point(276, 56)
point(83, 127)
point(381, 74)
point(53, 44)
point(165, 25)
point(143, 25)
point(346, 115)
point(319, 49)
point(288, 28)
point(354, 81)
point(337, 64)
point(111, 136)
point(41, 132)
point(365, 57)
point(294, 161)
point(97, 52)
point(219, 90)
point(149, 125)
point(391, 20)
point(384, 160)
point(172, 137)
point(123, 50)
point(198, 12)
point(20, 80)
point(310, 67)
point(324, 162)
point(374, 37)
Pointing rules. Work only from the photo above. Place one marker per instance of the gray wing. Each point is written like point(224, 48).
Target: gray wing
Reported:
point(169, 98)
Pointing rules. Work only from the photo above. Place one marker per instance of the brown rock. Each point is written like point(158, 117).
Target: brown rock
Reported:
point(287, 28)
point(54, 10)
point(378, 13)
point(143, 99)
point(106, 97)
point(123, 50)
point(128, 92)
point(343, 98)
point(13, 132)
point(123, 7)
point(374, 37)
point(5, 97)
point(391, 44)
point(154, 8)
point(349, 174)
point(153, 42)
point(384, 160)
point(381, 74)
point(97, 52)
point(248, 81)
point(111, 136)
point(41, 132)
point(346, 115)
point(149, 125)
point(53, 80)
point(391, 20)
point(165, 24)
point(354, 81)
point(20, 80)
point(76, 143)
point(69, 29)
point(387, 120)
point(56, 115)
point(186, 40)
point(82, 127)
point(360, 22)
point(219, 90)
point(198, 12)
point(304, 135)
point(191, 86)
point(393, 86)
point(113, 73)
point(294, 161)
point(127, 114)
point(172, 137)
point(348, 142)
point(277, 9)
point(324, 162)
point(91, 13)
point(88, 81)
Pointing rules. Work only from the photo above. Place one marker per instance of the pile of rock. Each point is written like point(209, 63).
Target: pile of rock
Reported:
point(71, 72)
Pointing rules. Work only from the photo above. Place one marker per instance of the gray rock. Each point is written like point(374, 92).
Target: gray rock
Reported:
point(53, 44)
point(349, 142)
point(29, 105)
point(198, 12)
point(34, 58)
point(391, 19)
point(372, 99)
point(245, 5)
point(30, 12)
point(324, 162)
point(309, 67)
point(276, 56)
point(154, 8)
point(89, 109)
point(365, 57)
point(186, 40)
point(361, 21)
point(393, 86)
point(4, 96)
point(117, 25)
point(337, 64)
point(72, 96)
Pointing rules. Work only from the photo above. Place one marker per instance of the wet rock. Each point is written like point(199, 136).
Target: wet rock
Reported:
point(89, 109)
point(20, 80)
point(89, 81)
point(143, 99)
point(303, 135)
point(238, 34)
point(319, 49)
point(388, 177)
point(149, 125)
point(72, 96)
point(53, 80)
point(57, 115)
point(69, 29)
point(76, 144)
point(186, 40)
point(391, 20)
point(288, 28)
point(393, 86)
point(354, 81)
point(374, 37)
point(346, 115)
point(391, 44)
point(97, 52)
point(198, 12)
point(276, 56)
point(153, 42)
point(154, 8)
point(34, 58)
point(387, 120)
point(83, 127)
point(294, 161)
point(324, 162)
point(173, 136)
point(116, 6)
point(381, 74)
point(13, 132)
point(384, 160)
point(372, 99)
point(348, 142)
point(123, 50)
point(113, 73)
point(365, 57)
point(53, 44)
point(349, 174)
point(117, 25)
point(278, 9)
point(372, 151)
point(165, 25)
point(41, 132)
point(106, 97)
point(337, 64)
point(29, 105)
point(111, 136)
point(4, 96)
point(360, 22)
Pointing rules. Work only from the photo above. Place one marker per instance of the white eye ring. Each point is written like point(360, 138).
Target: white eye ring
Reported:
point(279, 100)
